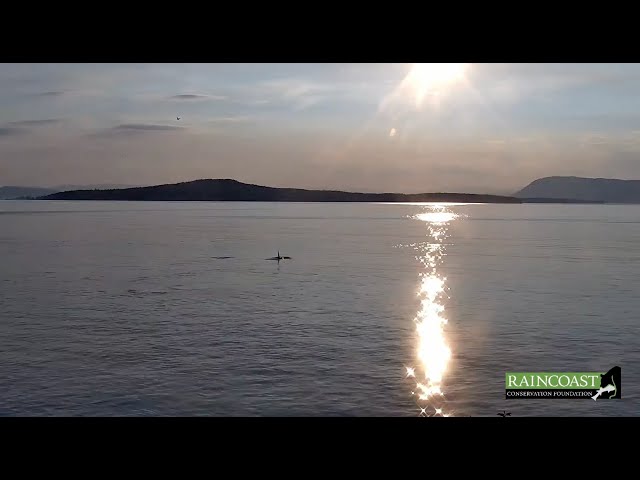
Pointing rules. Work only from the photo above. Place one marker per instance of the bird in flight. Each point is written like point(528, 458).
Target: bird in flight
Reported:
point(177, 118)
point(504, 413)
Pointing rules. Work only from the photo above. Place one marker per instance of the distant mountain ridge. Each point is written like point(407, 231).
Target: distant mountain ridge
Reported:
point(102, 186)
point(582, 189)
point(10, 192)
point(233, 190)
point(555, 189)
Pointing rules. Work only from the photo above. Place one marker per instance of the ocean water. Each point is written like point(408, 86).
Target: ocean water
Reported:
point(171, 309)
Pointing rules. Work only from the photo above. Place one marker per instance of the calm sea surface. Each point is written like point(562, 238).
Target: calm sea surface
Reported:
point(127, 308)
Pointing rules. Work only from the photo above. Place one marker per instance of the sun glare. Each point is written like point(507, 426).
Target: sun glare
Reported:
point(427, 78)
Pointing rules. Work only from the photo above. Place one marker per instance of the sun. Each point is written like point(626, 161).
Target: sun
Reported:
point(429, 78)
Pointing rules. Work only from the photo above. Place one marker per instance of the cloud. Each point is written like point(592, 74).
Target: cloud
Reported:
point(36, 123)
point(340, 91)
point(297, 92)
point(130, 129)
point(22, 126)
point(50, 94)
point(193, 96)
point(146, 127)
point(230, 119)
point(624, 142)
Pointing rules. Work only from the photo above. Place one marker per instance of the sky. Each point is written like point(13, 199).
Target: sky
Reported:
point(479, 128)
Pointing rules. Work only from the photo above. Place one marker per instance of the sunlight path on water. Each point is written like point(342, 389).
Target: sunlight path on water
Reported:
point(432, 349)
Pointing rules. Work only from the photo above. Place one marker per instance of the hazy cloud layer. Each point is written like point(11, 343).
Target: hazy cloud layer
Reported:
point(317, 125)
point(35, 123)
point(192, 96)
point(146, 127)
point(50, 94)
point(135, 129)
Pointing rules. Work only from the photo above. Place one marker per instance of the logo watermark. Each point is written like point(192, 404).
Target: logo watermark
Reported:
point(593, 385)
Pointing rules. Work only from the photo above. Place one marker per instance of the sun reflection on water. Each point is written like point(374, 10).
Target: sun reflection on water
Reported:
point(432, 350)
